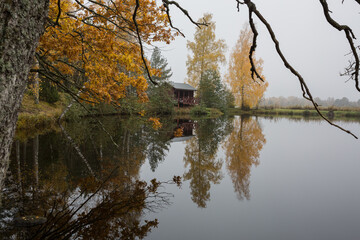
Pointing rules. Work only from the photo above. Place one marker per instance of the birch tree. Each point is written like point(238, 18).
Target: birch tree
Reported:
point(206, 52)
point(21, 25)
point(246, 90)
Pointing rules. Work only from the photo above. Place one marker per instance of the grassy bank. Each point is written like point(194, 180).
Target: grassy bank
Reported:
point(333, 113)
point(197, 111)
point(38, 117)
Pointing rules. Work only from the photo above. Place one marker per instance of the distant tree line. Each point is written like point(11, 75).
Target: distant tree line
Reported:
point(295, 102)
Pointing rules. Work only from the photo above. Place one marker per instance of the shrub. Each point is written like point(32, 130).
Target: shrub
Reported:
point(306, 113)
point(48, 92)
point(160, 99)
point(198, 110)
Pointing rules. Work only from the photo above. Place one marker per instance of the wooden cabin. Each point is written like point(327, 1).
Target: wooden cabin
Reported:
point(184, 94)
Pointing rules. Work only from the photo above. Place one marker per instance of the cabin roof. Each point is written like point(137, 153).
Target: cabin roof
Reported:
point(182, 86)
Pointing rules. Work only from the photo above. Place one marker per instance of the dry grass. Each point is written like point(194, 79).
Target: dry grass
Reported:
point(38, 116)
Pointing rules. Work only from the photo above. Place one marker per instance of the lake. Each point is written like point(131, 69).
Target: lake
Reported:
point(242, 177)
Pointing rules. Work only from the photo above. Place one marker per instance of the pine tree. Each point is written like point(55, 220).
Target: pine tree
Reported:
point(212, 91)
point(160, 63)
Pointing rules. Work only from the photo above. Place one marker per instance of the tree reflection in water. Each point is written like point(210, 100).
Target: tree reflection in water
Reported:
point(84, 198)
point(93, 209)
point(201, 158)
point(56, 186)
point(242, 150)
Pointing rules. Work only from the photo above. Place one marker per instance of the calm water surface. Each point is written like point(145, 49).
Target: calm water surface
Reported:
point(242, 178)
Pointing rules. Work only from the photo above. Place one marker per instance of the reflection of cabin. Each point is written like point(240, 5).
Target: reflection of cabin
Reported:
point(187, 129)
point(184, 94)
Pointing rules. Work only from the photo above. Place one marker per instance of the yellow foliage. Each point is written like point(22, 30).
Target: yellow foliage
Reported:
point(242, 152)
point(156, 124)
point(203, 169)
point(96, 46)
point(247, 91)
point(179, 132)
point(207, 52)
point(142, 113)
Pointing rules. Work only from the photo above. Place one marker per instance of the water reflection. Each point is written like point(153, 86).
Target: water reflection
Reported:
point(184, 130)
point(159, 141)
point(242, 150)
point(68, 179)
point(108, 209)
point(65, 181)
point(204, 168)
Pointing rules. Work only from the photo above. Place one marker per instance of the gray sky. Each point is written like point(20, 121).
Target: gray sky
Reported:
point(310, 44)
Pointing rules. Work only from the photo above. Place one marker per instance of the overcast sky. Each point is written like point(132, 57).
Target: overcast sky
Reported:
point(310, 44)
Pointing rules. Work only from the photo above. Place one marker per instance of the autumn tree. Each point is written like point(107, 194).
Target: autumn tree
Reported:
point(96, 47)
point(206, 52)
point(246, 90)
point(242, 153)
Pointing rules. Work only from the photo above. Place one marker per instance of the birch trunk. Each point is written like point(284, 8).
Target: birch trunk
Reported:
point(21, 25)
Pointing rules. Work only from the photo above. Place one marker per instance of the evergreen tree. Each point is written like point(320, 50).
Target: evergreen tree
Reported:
point(212, 92)
point(160, 96)
point(158, 62)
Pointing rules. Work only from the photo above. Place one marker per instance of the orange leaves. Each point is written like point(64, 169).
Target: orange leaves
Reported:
point(247, 91)
point(95, 45)
point(156, 124)
point(179, 132)
point(207, 52)
point(242, 149)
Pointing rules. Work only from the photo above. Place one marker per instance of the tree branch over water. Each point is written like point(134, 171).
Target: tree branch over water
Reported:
point(350, 36)
point(306, 91)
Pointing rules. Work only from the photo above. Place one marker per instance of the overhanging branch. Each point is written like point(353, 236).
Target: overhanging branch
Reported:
point(306, 91)
point(140, 42)
point(349, 36)
point(166, 4)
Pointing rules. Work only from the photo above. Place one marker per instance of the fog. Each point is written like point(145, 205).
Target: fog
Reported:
point(315, 49)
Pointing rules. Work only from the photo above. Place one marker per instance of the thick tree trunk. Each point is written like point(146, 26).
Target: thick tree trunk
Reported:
point(21, 25)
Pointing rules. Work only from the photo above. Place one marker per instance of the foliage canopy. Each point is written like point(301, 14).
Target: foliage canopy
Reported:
point(94, 47)
point(246, 90)
point(207, 52)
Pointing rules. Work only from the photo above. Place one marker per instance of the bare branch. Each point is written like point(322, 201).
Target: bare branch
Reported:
point(167, 9)
point(59, 13)
point(56, 22)
point(166, 4)
point(253, 48)
point(238, 4)
point(349, 35)
point(140, 42)
point(306, 92)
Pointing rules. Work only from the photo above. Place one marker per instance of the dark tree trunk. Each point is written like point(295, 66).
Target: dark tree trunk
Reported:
point(21, 25)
